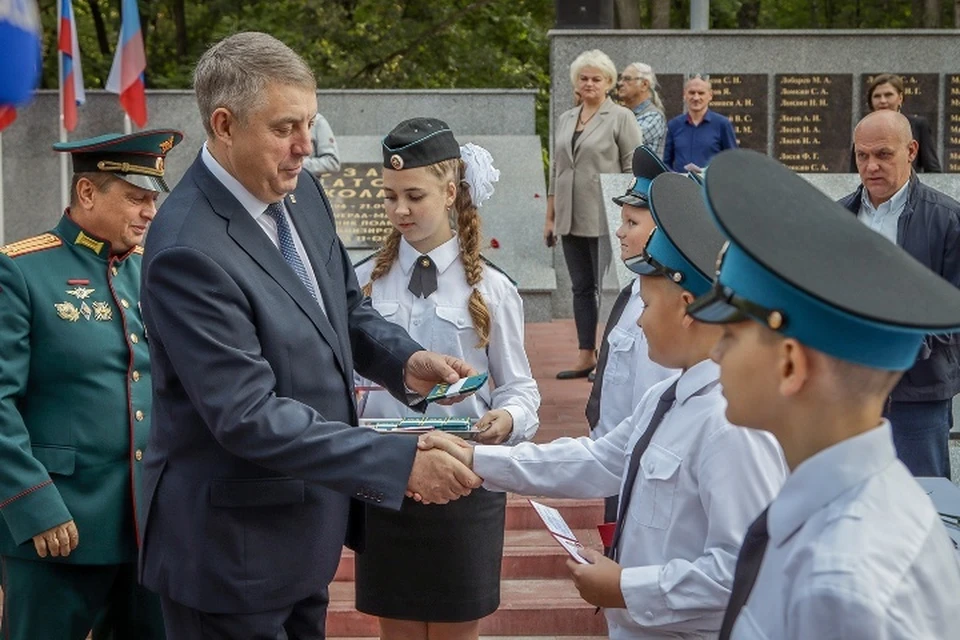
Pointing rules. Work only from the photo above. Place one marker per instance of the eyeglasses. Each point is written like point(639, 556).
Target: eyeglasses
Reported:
point(646, 265)
point(630, 78)
point(721, 305)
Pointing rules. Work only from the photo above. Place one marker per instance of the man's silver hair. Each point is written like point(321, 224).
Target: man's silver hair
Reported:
point(234, 74)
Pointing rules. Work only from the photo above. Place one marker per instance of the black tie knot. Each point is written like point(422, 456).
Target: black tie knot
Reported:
point(423, 280)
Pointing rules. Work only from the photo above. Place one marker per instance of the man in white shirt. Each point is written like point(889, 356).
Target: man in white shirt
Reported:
point(925, 223)
point(852, 548)
point(690, 481)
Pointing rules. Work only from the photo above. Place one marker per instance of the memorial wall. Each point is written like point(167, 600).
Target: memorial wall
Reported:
point(795, 95)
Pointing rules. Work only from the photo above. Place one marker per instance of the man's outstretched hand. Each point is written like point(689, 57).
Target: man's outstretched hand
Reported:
point(437, 478)
point(425, 370)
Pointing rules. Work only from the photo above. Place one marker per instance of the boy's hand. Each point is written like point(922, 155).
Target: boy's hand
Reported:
point(598, 582)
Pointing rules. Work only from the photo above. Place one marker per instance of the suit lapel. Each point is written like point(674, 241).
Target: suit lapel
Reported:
point(247, 233)
point(593, 125)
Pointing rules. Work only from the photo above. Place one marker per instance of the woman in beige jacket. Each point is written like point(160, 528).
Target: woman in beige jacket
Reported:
point(595, 137)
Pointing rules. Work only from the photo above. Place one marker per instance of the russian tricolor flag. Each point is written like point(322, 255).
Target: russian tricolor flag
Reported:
point(71, 80)
point(129, 63)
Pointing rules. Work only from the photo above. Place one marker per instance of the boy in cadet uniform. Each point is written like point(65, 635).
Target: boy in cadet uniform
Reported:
point(75, 402)
point(821, 315)
point(624, 369)
point(690, 481)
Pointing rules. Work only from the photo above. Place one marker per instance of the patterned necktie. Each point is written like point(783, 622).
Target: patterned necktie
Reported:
point(745, 575)
point(593, 403)
point(423, 280)
point(287, 247)
point(666, 401)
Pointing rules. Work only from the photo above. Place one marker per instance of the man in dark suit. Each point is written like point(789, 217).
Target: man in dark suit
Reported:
point(253, 474)
point(926, 224)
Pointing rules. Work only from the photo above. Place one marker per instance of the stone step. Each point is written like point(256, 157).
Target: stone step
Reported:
point(579, 514)
point(526, 554)
point(544, 607)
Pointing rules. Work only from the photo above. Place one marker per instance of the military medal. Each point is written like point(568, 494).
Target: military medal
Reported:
point(67, 311)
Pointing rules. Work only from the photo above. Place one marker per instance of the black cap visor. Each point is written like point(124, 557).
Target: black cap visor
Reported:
point(631, 199)
point(721, 305)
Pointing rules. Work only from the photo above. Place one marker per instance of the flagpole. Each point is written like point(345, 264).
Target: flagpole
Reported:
point(64, 185)
point(127, 124)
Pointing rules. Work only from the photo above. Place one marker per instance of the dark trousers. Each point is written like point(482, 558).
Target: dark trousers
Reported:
point(304, 620)
point(64, 601)
point(582, 256)
point(921, 434)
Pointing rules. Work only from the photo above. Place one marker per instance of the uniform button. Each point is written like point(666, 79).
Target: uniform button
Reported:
point(134, 339)
point(138, 454)
point(136, 376)
point(124, 303)
point(138, 415)
point(114, 270)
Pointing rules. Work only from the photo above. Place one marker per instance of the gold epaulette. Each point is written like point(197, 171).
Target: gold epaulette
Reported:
point(138, 250)
point(41, 242)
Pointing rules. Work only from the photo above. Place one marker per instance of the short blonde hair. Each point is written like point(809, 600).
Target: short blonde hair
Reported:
point(596, 59)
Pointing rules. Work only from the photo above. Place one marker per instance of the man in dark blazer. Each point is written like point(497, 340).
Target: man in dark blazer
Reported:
point(926, 224)
point(253, 472)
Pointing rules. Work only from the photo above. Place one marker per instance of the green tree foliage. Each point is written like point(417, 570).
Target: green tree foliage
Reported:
point(422, 43)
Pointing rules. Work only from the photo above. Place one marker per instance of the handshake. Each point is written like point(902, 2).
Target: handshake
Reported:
point(442, 469)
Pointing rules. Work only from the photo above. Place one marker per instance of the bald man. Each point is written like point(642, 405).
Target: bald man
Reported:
point(694, 137)
point(925, 223)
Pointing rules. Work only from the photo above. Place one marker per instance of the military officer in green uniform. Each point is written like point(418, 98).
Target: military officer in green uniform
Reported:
point(75, 402)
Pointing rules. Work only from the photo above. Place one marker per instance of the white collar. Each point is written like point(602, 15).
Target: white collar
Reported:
point(442, 256)
point(821, 479)
point(254, 206)
point(698, 378)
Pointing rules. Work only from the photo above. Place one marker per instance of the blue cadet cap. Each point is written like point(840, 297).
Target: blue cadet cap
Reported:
point(685, 242)
point(800, 264)
point(419, 142)
point(647, 165)
point(138, 158)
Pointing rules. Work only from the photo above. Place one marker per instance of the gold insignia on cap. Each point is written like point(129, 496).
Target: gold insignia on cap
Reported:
point(126, 167)
point(396, 162)
point(166, 145)
point(159, 165)
point(67, 311)
point(775, 320)
point(86, 241)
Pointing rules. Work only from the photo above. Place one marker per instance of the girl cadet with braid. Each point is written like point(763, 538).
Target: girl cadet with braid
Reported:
point(432, 571)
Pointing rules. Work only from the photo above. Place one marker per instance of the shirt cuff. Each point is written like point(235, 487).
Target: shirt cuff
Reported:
point(519, 432)
point(646, 604)
point(491, 462)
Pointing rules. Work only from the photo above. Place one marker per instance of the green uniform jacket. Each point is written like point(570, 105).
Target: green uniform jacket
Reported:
point(74, 394)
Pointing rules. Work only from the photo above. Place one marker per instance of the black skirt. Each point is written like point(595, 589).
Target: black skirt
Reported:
point(433, 563)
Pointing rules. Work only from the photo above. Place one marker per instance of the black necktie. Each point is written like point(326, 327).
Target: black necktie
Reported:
point(745, 575)
point(593, 403)
point(423, 280)
point(666, 401)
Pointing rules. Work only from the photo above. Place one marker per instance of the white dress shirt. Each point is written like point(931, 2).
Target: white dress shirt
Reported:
point(856, 552)
point(885, 218)
point(441, 322)
point(629, 372)
point(701, 482)
point(258, 209)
